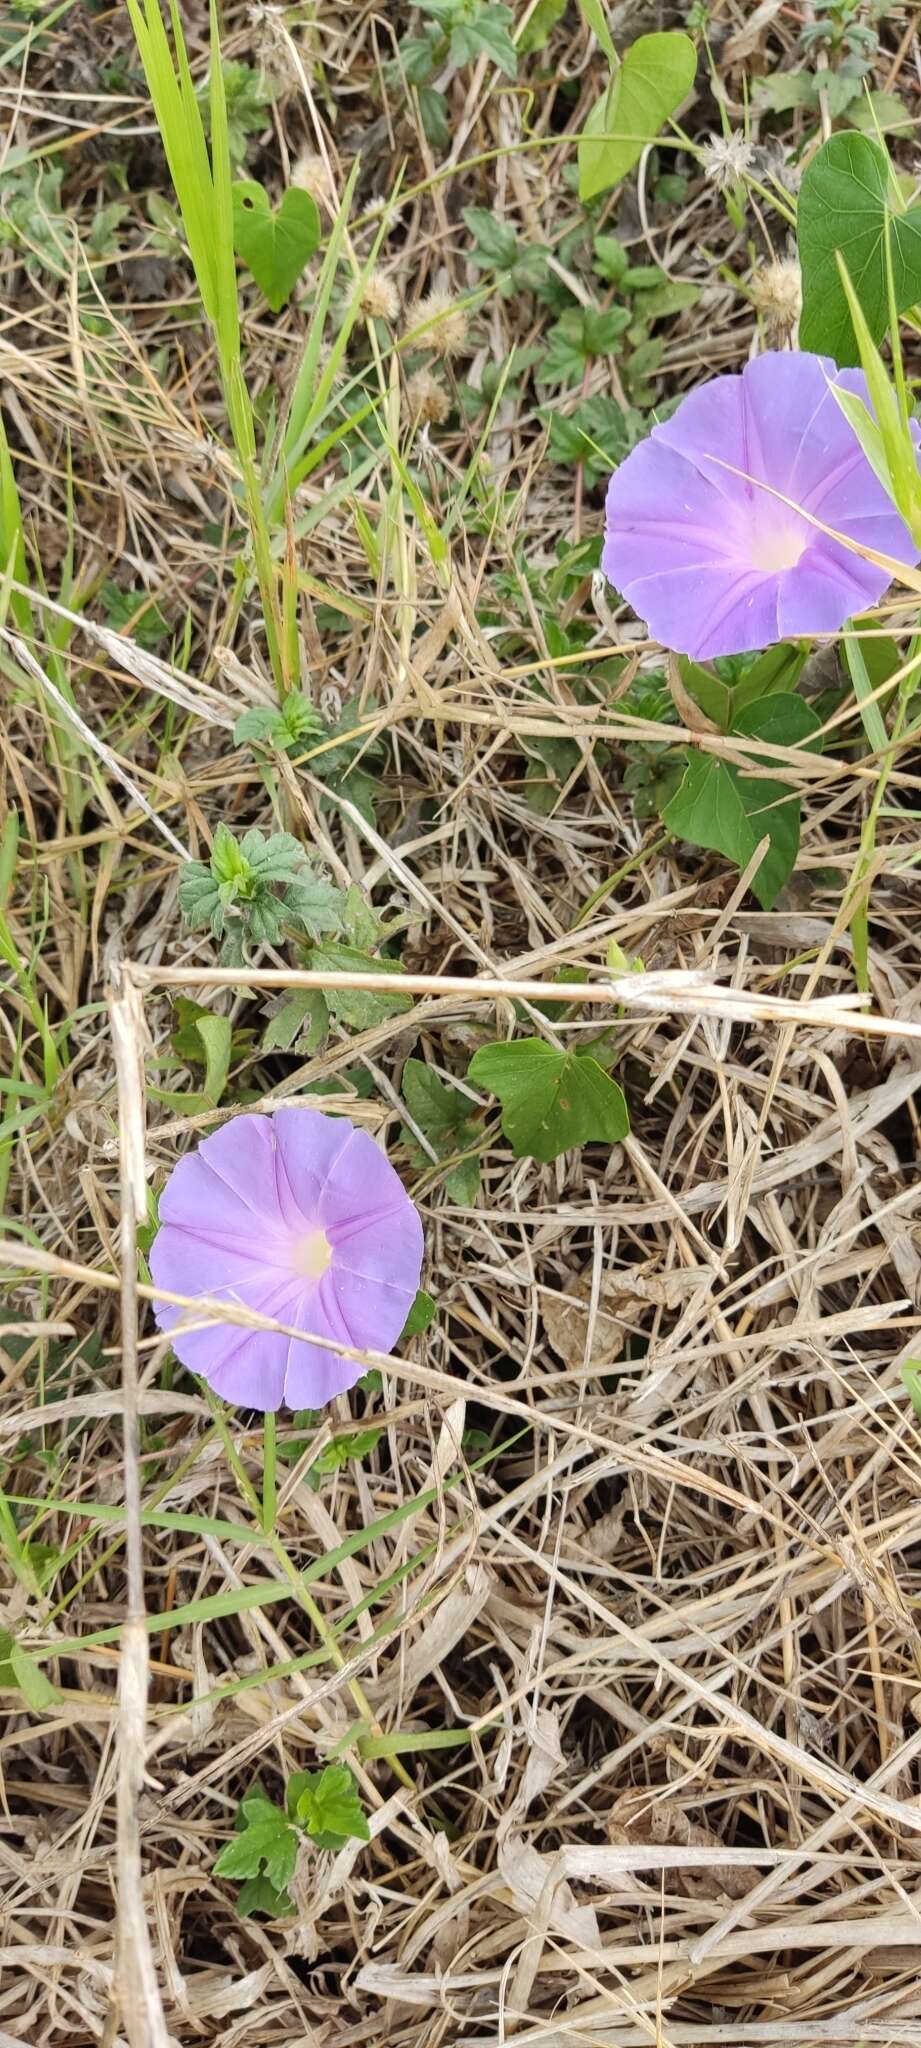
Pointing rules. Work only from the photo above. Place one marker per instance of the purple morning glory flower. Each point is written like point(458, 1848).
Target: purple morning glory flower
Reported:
point(302, 1218)
point(715, 565)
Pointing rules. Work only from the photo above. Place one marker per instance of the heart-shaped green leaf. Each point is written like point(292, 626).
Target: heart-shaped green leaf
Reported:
point(845, 198)
point(550, 1100)
point(653, 79)
point(274, 245)
point(719, 807)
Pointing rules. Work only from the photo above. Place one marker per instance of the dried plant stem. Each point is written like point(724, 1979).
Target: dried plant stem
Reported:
point(136, 1978)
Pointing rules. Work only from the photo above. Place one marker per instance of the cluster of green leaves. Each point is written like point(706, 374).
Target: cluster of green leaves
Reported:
point(321, 1807)
point(553, 595)
point(443, 1115)
point(456, 33)
point(582, 333)
point(843, 31)
point(248, 96)
point(710, 800)
point(36, 223)
point(134, 613)
point(207, 1044)
point(843, 25)
point(551, 1101)
point(302, 1022)
point(255, 890)
point(266, 891)
point(345, 761)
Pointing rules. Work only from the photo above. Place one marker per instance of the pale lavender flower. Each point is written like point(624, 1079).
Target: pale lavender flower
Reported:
point(716, 565)
point(300, 1217)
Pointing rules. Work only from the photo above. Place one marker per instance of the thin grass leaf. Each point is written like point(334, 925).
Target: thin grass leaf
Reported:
point(889, 449)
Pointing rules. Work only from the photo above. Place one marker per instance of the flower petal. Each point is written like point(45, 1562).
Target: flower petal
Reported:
point(373, 1312)
point(226, 1354)
point(314, 1375)
point(179, 1256)
point(707, 612)
point(227, 1181)
point(309, 1145)
point(361, 1184)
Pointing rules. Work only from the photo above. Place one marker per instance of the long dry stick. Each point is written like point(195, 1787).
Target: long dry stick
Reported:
point(668, 993)
point(136, 1978)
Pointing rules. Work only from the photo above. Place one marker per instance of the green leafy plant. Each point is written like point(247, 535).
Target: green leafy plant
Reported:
point(134, 613)
point(497, 247)
point(304, 1017)
point(252, 890)
point(32, 218)
point(648, 85)
point(536, 32)
point(551, 1101)
point(644, 298)
point(295, 727)
point(274, 242)
point(472, 28)
point(597, 434)
point(321, 1807)
point(843, 25)
point(289, 726)
point(581, 334)
point(248, 95)
point(728, 808)
point(342, 1451)
point(443, 1115)
point(456, 33)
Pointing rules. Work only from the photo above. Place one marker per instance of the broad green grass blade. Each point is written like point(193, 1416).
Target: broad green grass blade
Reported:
point(12, 542)
point(203, 181)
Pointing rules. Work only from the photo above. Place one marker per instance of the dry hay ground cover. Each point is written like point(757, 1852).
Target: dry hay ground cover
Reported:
point(606, 1588)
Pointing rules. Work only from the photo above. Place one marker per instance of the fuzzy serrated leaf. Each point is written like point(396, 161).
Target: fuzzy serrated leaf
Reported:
point(200, 898)
point(262, 725)
point(358, 1008)
point(317, 904)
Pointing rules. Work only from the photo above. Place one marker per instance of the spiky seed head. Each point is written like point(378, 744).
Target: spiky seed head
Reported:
point(445, 323)
point(725, 159)
point(311, 175)
point(380, 299)
point(427, 401)
point(777, 291)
